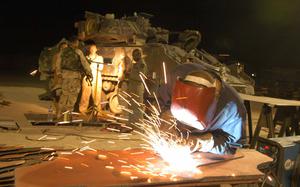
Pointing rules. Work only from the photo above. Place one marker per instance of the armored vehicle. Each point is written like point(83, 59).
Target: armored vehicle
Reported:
point(117, 38)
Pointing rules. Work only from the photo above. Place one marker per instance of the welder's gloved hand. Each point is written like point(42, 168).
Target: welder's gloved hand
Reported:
point(202, 143)
point(167, 115)
point(165, 126)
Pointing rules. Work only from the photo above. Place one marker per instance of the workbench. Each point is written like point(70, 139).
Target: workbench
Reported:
point(266, 116)
point(131, 168)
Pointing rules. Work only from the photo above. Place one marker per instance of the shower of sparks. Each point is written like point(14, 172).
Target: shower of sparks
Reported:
point(109, 167)
point(63, 158)
point(43, 137)
point(180, 98)
point(51, 158)
point(135, 95)
point(125, 173)
point(126, 109)
point(88, 142)
point(143, 75)
point(115, 117)
point(50, 138)
point(146, 87)
point(137, 103)
point(122, 161)
point(165, 72)
point(114, 154)
point(176, 154)
point(102, 157)
point(120, 95)
point(133, 177)
point(157, 102)
point(126, 93)
point(112, 129)
point(173, 149)
point(87, 148)
point(65, 153)
point(33, 73)
point(85, 165)
point(127, 148)
point(137, 153)
point(80, 153)
point(76, 149)
point(122, 125)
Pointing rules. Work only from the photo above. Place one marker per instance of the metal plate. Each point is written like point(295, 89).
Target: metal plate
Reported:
point(130, 169)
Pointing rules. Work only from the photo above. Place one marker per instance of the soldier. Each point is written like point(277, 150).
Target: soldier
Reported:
point(123, 85)
point(95, 88)
point(46, 67)
point(136, 86)
point(57, 81)
point(72, 64)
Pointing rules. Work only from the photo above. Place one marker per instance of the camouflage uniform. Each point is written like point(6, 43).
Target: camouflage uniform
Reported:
point(56, 83)
point(45, 68)
point(47, 60)
point(123, 85)
point(136, 87)
point(72, 64)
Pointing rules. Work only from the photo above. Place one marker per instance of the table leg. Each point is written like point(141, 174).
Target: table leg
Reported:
point(297, 129)
point(257, 129)
point(265, 116)
point(269, 121)
point(249, 114)
point(285, 127)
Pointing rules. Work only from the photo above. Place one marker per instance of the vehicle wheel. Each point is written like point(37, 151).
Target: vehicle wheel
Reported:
point(114, 104)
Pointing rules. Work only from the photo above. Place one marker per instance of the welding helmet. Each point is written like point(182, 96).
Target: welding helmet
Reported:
point(194, 99)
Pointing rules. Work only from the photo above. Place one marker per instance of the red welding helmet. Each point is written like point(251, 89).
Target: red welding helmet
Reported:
point(194, 100)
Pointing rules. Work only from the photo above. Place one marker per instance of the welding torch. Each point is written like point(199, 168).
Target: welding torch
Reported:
point(238, 145)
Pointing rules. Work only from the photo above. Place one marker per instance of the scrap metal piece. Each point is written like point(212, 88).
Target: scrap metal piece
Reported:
point(23, 155)
point(10, 166)
point(9, 148)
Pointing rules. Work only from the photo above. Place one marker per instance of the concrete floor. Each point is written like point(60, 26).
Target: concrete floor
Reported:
point(22, 93)
point(23, 97)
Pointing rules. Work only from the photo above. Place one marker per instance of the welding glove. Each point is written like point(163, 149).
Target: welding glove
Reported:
point(166, 115)
point(166, 125)
point(202, 143)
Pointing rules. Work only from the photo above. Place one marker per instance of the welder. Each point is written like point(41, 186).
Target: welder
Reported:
point(208, 111)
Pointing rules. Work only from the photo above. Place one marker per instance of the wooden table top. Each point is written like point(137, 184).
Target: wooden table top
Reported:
point(270, 100)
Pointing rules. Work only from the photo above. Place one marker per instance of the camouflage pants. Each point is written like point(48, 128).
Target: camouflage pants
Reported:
point(71, 85)
point(55, 88)
point(137, 88)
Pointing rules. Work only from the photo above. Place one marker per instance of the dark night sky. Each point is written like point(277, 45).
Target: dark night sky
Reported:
point(260, 33)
